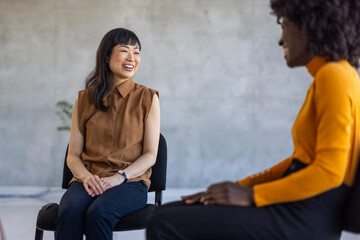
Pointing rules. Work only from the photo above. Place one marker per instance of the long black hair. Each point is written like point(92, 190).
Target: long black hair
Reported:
point(98, 81)
point(332, 26)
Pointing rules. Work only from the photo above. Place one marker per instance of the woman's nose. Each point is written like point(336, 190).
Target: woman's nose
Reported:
point(281, 42)
point(130, 57)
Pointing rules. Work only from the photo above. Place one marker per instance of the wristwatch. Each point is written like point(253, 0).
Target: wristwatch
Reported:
point(124, 174)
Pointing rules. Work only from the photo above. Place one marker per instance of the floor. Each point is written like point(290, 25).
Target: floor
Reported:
point(19, 207)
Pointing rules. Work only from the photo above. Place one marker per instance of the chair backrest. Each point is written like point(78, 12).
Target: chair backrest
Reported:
point(158, 176)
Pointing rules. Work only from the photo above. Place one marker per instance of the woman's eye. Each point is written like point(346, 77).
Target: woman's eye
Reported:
point(136, 53)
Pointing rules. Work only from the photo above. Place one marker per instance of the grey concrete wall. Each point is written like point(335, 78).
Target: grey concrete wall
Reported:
point(227, 99)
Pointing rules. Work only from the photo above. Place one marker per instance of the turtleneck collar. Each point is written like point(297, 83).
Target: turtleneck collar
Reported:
point(315, 64)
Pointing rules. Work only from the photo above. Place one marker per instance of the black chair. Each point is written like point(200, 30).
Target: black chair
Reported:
point(132, 221)
point(351, 218)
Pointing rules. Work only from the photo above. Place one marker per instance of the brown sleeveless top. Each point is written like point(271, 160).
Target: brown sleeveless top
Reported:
point(114, 139)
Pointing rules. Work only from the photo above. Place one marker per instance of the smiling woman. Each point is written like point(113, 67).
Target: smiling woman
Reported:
point(303, 196)
point(293, 41)
point(115, 45)
point(114, 137)
point(124, 62)
point(330, 27)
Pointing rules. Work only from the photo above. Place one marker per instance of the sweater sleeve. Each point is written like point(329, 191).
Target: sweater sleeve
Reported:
point(333, 120)
point(267, 175)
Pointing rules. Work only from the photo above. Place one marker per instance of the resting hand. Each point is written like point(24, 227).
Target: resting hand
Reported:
point(228, 193)
point(194, 198)
point(112, 181)
point(93, 185)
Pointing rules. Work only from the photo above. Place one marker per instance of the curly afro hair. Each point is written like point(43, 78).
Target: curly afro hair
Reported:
point(332, 26)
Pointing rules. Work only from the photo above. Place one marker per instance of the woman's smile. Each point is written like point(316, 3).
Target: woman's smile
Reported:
point(128, 67)
point(285, 51)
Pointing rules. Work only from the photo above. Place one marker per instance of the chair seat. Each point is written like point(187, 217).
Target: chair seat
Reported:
point(47, 216)
point(132, 221)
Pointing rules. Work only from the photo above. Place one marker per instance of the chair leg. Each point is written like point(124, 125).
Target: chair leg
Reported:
point(158, 198)
point(39, 234)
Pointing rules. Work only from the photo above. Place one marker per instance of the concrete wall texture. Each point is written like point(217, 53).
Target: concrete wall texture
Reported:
point(228, 101)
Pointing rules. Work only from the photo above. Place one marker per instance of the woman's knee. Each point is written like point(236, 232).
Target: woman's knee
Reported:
point(70, 213)
point(95, 213)
point(73, 204)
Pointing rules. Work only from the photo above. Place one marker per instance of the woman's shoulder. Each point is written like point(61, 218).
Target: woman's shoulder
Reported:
point(142, 88)
point(339, 75)
point(84, 98)
point(84, 95)
point(336, 68)
point(84, 92)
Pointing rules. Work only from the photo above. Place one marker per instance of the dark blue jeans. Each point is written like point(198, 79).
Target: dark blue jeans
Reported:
point(96, 217)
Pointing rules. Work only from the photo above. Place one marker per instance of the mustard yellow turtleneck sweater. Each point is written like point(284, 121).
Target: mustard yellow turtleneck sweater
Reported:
point(325, 135)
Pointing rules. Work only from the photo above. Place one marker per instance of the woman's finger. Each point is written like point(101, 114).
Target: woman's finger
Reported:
point(192, 196)
point(191, 199)
point(209, 202)
point(88, 190)
point(93, 187)
point(99, 184)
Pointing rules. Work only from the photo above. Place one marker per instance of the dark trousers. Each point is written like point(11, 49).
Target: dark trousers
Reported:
point(315, 218)
point(96, 217)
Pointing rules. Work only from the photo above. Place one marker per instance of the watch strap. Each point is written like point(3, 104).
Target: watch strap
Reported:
point(124, 174)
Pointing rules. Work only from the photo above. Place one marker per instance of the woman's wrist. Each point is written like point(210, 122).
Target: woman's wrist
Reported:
point(123, 174)
point(84, 176)
point(122, 178)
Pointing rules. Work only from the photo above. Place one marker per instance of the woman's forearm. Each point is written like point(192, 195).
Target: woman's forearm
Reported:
point(150, 145)
point(77, 168)
point(141, 165)
point(76, 145)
